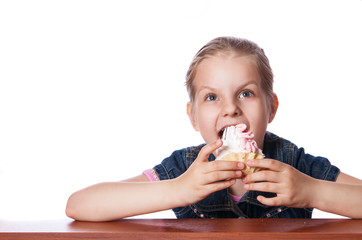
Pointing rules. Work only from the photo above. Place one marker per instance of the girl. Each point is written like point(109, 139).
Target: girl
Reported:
point(229, 82)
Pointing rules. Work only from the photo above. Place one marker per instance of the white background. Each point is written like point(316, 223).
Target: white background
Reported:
point(93, 91)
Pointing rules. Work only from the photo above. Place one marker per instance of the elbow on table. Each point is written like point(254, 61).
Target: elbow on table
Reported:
point(76, 208)
point(72, 209)
point(81, 209)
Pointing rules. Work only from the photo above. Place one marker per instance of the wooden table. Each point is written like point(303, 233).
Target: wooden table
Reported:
point(184, 229)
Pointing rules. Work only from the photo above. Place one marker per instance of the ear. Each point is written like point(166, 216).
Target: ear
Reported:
point(191, 116)
point(274, 104)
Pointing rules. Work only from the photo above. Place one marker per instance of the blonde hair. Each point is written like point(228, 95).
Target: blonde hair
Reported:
point(232, 45)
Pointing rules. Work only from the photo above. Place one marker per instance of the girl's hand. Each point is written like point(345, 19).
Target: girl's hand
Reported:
point(204, 177)
point(293, 188)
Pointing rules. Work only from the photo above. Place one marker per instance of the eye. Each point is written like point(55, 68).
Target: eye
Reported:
point(211, 97)
point(246, 93)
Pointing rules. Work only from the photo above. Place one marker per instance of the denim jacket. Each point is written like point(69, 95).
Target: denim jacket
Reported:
point(220, 205)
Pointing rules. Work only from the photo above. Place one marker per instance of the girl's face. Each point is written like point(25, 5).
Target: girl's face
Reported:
point(228, 91)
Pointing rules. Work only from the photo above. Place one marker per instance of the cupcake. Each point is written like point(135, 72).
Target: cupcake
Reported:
point(239, 145)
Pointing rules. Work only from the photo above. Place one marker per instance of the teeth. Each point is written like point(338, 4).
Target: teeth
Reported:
point(223, 132)
point(224, 135)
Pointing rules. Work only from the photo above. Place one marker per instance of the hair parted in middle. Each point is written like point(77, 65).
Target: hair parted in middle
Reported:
point(232, 46)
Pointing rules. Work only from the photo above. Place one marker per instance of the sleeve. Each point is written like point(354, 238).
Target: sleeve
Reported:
point(317, 167)
point(287, 152)
point(173, 166)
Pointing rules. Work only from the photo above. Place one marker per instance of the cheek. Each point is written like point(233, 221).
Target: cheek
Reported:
point(204, 120)
point(256, 112)
point(258, 118)
point(207, 122)
point(207, 111)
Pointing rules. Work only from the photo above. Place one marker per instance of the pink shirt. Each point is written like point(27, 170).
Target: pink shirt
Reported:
point(151, 175)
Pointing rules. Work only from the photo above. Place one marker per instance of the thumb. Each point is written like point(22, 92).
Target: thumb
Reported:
point(208, 149)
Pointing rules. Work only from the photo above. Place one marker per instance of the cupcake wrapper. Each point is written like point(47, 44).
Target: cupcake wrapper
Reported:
point(243, 157)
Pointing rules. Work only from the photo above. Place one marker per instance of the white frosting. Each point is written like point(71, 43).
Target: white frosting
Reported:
point(237, 140)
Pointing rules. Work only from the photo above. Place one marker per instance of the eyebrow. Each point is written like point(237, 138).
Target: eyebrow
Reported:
point(207, 88)
point(215, 89)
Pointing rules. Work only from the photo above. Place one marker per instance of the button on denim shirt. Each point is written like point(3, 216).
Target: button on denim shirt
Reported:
point(220, 205)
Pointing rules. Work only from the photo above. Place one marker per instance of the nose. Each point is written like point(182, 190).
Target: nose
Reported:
point(231, 109)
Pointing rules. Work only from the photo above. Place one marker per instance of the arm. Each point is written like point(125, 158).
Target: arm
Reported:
point(295, 189)
point(114, 200)
point(342, 197)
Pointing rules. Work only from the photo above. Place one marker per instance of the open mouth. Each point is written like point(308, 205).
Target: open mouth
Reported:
point(221, 132)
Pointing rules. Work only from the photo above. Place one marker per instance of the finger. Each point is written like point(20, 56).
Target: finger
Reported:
point(262, 187)
point(207, 150)
point(217, 186)
point(274, 201)
point(221, 165)
point(220, 176)
point(266, 163)
point(263, 175)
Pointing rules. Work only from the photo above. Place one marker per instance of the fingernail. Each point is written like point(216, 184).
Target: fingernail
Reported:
point(250, 162)
point(246, 186)
point(241, 165)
